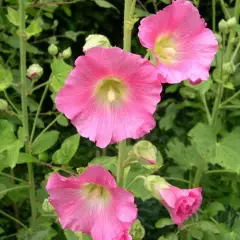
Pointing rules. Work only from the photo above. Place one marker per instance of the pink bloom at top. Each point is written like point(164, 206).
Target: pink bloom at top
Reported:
point(92, 203)
point(178, 37)
point(180, 203)
point(110, 95)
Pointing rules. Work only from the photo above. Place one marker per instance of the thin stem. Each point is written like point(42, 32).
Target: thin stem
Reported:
point(134, 180)
point(10, 102)
point(38, 111)
point(199, 173)
point(120, 161)
point(230, 99)
point(220, 171)
point(203, 98)
point(22, 37)
point(55, 167)
point(214, 15)
point(48, 126)
point(127, 33)
point(176, 179)
point(13, 188)
point(219, 90)
point(155, 5)
point(224, 9)
point(235, 52)
point(39, 86)
point(9, 236)
point(15, 178)
point(12, 218)
point(230, 107)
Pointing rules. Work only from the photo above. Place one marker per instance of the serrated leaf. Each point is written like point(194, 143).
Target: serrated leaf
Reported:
point(67, 150)
point(60, 71)
point(5, 78)
point(163, 222)
point(208, 226)
point(45, 141)
point(214, 208)
point(13, 154)
point(13, 16)
point(105, 4)
point(108, 163)
point(33, 29)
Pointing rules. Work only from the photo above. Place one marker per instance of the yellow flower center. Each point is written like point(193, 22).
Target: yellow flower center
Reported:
point(165, 48)
point(111, 91)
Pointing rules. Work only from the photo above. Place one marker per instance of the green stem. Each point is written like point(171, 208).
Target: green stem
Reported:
point(220, 171)
point(39, 86)
point(203, 98)
point(155, 6)
point(230, 99)
point(176, 179)
point(120, 161)
point(10, 102)
point(199, 173)
point(230, 107)
point(127, 31)
point(219, 90)
point(38, 111)
point(14, 219)
point(134, 180)
point(235, 53)
point(22, 38)
point(214, 15)
point(15, 178)
point(224, 9)
point(13, 188)
point(48, 126)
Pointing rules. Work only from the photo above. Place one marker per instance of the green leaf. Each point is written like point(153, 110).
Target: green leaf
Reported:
point(25, 158)
point(73, 35)
point(13, 154)
point(62, 121)
point(33, 29)
point(196, 233)
point(137, 231)
point(1, 230)
point(166, 1)
point(108, 163)
point(202, 87)
point(45, 141)
point(60, 71)
point(3, 190)
point(67, 150)
point(214, 208)
point(163, 222)
point(13, 16)
point(105, 4)
point(5, 78)
point(208, 226)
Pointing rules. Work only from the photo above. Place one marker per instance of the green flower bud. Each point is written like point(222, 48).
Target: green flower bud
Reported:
point(152, 183)
point(229, 68)
point(52, 50)
point(145, 152)
point(218, 38)
point(95, 40)
point(34, 71)
point(232, 22)
point(223, 26)
point(43, 156)
point(67, 53)
point(137, 231)
point(3, 105)
point(80, 170)
point(47, 207)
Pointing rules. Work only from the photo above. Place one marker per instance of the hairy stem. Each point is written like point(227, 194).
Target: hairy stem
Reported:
point(214, 15)
point(22, 38)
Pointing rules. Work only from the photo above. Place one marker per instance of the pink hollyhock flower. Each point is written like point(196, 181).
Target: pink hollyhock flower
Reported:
point(179, 39)
point(110, 95)
point(180, 203)
point(92, 203)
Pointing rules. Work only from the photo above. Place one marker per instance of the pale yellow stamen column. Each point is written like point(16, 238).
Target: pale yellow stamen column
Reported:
point(111, 95)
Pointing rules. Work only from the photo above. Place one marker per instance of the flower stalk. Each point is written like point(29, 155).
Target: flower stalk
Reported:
point(22, 37)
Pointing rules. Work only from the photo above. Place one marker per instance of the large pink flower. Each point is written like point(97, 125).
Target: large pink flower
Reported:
point(110, 95)
point(178, 37)
point(93, 204)
point(180, 203)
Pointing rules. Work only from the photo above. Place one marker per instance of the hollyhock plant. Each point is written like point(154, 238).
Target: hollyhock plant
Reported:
point(178, 37)
point(180, 203)
point(110, 95)
point(92, 203)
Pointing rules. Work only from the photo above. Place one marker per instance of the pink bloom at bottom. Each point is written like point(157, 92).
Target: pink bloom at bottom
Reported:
point(181, 203)
point(92, 203)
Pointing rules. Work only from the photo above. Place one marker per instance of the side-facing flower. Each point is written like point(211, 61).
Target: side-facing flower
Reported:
point(92, 203)
point(180, 203)
point(110, 95)
point(178, 37)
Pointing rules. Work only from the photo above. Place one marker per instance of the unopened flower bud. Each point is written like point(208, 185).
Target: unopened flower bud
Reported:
point(152, 183)
point(3, 105)
point(137, 231)
point(47, 207)
point(223, 26)
point(145, 152)
point(95, 40)
point(43, 156)
point(229, 68)
point(218, 38)
point(35, 71)
point(232, 22)
point(52, 50)
point(67, 53)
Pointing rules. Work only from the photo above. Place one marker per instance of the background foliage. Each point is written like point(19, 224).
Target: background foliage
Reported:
point(193, 150)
